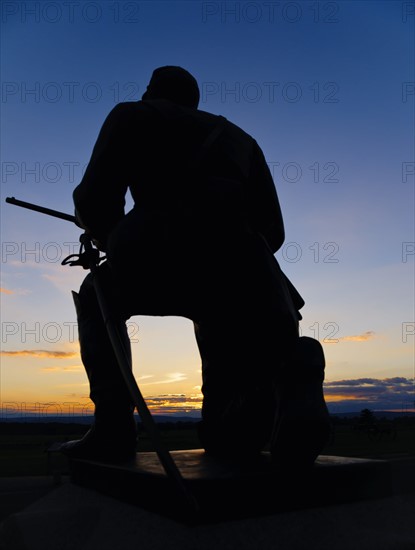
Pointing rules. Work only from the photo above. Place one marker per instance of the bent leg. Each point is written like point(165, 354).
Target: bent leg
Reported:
point(239, 366)
point(107, 386)
point(254, 396)
point(113, 434)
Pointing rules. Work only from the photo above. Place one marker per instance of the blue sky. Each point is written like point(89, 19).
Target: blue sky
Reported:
point(327, 90)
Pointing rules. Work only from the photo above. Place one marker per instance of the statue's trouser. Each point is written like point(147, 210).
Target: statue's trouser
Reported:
point(254, 394)
point(255, 399)
point(108, 391)
point(240, 365)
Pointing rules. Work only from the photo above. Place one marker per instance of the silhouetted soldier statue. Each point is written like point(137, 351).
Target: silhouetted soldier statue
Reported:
point(199, 243)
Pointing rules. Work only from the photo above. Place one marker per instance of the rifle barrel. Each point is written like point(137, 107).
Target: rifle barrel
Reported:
point(42, 209)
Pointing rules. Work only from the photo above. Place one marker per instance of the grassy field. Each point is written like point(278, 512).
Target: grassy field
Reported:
point(23, 448)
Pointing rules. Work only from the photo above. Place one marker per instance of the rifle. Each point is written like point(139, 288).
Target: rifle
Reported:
point(89, 258)
point(43, 210)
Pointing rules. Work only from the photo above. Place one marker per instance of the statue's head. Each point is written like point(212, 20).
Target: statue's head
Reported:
point(175, 84)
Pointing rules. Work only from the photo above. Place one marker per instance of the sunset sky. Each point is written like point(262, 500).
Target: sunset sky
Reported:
point(326, 88)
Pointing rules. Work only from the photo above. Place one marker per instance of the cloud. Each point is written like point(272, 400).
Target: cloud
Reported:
point(15, 291)
point(172, 378)
point(62, 278)
point(40, 353)
point(175, 398)
point(358, 338)
point(6, 291)
point(58, 276)
point(374, 393)
point(175, 403)
point(144, 377)
point(71, 368)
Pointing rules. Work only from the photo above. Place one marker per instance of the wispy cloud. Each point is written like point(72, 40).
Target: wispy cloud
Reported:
point(369, 335)
point(70, 368)
point(145, 377)
point(15, 291)
point(63, 279)
point(40, 353)
point(6, 291)
point(54, 273)
point(172, 378)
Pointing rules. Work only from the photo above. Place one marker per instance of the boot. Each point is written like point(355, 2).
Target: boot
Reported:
point(112, 437)
point(113, 434)
point(302, 427)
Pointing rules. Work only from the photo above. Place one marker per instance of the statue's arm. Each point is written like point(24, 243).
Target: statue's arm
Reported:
point(99, 199)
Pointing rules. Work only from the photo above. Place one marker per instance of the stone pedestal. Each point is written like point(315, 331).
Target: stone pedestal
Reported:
point(226, 490)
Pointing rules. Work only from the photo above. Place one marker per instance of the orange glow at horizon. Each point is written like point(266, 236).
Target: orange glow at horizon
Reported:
point(40, 353)
point(332, 398)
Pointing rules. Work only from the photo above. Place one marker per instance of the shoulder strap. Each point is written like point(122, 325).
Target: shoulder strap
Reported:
point(207, 144)
point(162, 108)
